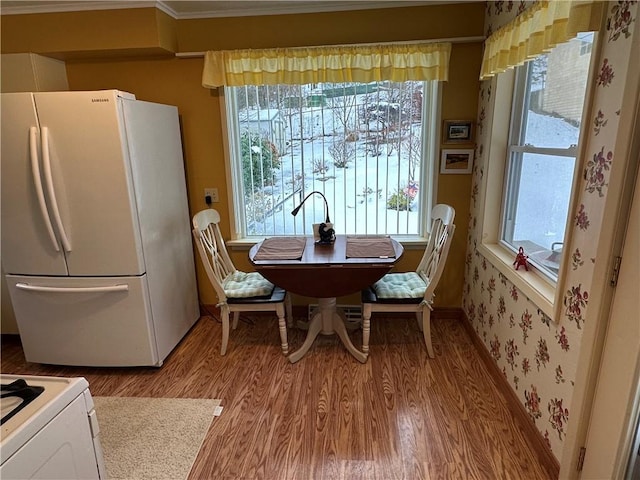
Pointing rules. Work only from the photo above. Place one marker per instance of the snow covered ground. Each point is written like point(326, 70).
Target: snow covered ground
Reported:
point(356, 195)
point(545, 187)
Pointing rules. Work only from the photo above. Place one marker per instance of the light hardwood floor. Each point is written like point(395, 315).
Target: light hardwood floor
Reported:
point(399, 416)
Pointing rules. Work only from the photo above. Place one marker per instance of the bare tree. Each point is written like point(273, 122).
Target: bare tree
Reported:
point(344, 111)
point(412, 150)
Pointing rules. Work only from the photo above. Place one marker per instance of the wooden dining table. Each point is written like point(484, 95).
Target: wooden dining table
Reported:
point(326, 272)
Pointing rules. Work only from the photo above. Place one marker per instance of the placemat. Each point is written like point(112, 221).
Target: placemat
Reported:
point(370, 247)
point(281, 248)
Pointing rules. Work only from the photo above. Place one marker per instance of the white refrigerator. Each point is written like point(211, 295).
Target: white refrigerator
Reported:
point(96, 238)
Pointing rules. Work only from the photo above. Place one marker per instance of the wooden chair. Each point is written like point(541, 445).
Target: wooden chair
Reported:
point(413, 291)
point(237, 291)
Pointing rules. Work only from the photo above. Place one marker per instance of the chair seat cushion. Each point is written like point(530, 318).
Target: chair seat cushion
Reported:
point(247, 285)
point(369, 296)
point(276, 296)
point(400, 286)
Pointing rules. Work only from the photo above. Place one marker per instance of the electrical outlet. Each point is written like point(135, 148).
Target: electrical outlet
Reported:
point(213, 193)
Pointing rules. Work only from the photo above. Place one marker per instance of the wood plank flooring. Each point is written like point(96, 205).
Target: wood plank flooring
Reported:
point(399, 416)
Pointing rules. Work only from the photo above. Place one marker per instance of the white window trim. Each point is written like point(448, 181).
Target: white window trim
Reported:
point(430, 146)
point(536, 286)
point(231, 188)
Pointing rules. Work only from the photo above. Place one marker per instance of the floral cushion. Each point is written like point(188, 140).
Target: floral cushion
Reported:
point(400, 285)
point(246, 285)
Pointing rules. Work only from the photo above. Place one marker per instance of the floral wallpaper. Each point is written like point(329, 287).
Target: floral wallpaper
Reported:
point(537, 356)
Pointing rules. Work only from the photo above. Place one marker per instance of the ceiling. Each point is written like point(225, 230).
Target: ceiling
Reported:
point(203, 9)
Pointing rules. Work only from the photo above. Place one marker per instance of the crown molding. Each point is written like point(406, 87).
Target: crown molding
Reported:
point(295, 7)
point(19, 8)
point(225, 9)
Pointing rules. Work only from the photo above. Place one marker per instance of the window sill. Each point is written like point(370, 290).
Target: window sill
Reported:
point(409, 243)
point(532, 284)
point(241, 243)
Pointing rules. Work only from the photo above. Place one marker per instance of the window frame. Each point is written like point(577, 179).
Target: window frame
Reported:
point(430, 146)
point(547, 296)
point(513, 164)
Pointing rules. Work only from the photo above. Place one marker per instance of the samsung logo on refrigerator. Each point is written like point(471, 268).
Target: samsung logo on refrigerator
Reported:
point(99, 100)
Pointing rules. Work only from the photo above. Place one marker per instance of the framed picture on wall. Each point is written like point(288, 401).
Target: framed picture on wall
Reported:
point(456, 161)
point(458, 131)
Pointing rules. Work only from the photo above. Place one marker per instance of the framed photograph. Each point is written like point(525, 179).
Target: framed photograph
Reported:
point(458, 131)
point(456, 161)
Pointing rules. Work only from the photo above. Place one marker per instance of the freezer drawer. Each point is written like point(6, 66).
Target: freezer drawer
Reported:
point(84, 321)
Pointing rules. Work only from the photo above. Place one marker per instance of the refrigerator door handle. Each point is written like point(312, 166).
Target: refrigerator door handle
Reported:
point(42, 288)
point(46, 160)
point(37, 182)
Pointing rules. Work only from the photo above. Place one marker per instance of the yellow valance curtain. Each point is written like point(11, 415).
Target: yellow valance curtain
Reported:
point(298, 66)
point(537, 30)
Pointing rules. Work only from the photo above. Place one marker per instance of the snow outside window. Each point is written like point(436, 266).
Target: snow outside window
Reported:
point(545, 130)
point(367, 147)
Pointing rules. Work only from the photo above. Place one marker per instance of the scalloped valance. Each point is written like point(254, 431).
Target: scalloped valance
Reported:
point(332, 64)
point(537, 30)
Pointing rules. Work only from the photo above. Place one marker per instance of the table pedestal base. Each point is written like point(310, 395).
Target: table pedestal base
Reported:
point(327, 321)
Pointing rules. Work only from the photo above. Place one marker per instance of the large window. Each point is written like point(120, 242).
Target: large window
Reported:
point(367, 147)
point(545, 128)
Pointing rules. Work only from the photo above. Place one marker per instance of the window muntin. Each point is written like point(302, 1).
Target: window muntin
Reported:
point(367, 147)
point(545, 130)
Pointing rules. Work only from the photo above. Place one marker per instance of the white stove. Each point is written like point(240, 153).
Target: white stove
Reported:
point(49, 429)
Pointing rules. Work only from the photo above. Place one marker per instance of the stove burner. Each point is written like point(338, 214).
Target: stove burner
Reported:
point(19, 394)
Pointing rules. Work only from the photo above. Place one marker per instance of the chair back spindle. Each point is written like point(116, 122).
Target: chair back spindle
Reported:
point(432, 264)
point(212, 250)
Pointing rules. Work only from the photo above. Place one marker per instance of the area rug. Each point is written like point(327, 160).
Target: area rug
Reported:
point(152, 438)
